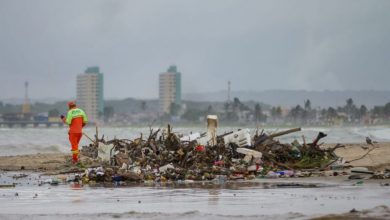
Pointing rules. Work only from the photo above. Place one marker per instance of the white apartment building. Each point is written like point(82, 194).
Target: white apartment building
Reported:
point(169, 89)
point(90, 93)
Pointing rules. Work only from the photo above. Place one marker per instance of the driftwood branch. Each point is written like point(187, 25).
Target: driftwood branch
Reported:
point(363, 155)
point(88, 137)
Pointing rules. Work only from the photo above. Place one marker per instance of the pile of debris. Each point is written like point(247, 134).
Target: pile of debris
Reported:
point(164, 156)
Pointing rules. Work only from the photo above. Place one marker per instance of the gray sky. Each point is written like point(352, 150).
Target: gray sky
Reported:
point(258, 45)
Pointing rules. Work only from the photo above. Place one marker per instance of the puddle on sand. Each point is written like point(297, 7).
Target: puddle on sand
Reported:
point(258, 199)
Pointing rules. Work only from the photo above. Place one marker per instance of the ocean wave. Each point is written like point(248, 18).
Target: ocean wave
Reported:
point(16, 141)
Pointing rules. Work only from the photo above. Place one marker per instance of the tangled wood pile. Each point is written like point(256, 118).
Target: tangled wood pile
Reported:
point(163, 156)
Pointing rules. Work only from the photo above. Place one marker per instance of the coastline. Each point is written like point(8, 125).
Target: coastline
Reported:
point(378, 159)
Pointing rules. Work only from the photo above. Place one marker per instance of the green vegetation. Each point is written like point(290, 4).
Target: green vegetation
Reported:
point(52, 109)
point(234, 113)
point(308, 161)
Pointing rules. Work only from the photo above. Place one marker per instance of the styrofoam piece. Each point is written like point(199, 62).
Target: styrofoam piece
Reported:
point(246, 151)
point(104, 152)
point(166, 167)
point(242, 138)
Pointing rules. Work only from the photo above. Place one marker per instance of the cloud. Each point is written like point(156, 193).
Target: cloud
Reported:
point(256, 44)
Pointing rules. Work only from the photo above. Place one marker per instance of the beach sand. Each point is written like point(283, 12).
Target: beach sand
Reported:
point(35, 162)
point(377, 159)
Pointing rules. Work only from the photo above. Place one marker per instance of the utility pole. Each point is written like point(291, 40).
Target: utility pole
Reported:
point(229, 91)
point(26, 106)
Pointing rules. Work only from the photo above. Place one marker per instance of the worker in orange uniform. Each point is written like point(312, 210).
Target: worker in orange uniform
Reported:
point(76, 119)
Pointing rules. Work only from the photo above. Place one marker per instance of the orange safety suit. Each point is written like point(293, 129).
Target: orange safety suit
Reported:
point(76, 119)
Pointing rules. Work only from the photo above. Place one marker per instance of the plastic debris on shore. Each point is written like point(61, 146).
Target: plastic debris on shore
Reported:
point(164, 156)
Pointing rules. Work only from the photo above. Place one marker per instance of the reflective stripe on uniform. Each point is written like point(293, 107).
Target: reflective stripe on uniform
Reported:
point(75, 113)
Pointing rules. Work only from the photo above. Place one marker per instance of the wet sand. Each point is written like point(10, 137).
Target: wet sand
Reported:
point(321, 197)
point(283, 198)
point(377, 159)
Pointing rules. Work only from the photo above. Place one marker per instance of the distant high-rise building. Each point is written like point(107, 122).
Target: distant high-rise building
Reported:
point(90, 93)
point(170, 89)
